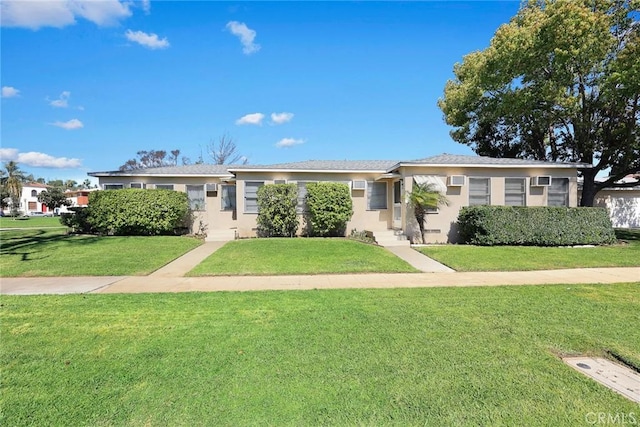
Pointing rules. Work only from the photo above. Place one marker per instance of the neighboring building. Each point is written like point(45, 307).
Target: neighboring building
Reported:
point(29, 198)
point(78, 198)
point(623, 203)
point(225, 196)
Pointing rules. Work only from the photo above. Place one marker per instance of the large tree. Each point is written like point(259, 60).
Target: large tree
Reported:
point(560, 82)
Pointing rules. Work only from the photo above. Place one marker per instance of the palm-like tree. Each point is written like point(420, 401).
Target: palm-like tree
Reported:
point(422, 198)
point(13, 180)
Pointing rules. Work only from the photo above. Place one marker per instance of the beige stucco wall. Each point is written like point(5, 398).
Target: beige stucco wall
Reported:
point(212, 217)
point(441, 225)
point(362, 218)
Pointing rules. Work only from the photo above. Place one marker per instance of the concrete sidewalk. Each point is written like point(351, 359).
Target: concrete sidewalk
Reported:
point(64, 285)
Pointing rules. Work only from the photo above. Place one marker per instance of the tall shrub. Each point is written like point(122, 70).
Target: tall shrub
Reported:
point(139, 212)
point(277, 210)
point(538, 226)
point(328, 208)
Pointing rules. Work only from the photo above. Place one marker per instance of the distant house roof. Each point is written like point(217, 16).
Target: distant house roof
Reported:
point(185, 170)
point(35, 185)
point(336, 166)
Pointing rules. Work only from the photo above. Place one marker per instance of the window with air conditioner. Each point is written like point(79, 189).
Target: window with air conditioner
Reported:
point(358, 185)
point(540, 181)
point(456, 180)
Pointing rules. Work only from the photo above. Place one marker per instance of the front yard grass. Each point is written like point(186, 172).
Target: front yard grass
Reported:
point(431, 356)
point(283, 256)
point(30, 222)
point(51, 252)
point(519, 258)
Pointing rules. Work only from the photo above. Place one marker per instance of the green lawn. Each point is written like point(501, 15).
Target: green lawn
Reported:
point(517, 258)
point(43, 252)
point(28, 222)
point(299, 256)
point(433, 356)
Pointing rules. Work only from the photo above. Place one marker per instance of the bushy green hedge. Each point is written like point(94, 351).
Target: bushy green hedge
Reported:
point(534, 226)
point(138, 212)
point(277, 210)
point(328, 208)
point(77, 220)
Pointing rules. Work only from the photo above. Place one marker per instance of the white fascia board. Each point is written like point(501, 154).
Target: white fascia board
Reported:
point(310, 170)
point(495, 166)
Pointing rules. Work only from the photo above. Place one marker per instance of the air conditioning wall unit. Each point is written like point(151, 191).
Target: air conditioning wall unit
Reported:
point(212, 187)
point(541, 181)
point(359, 185)
point(456, 180)
point(279, 181)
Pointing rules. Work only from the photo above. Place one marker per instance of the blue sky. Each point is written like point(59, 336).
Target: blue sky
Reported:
point(85, 85)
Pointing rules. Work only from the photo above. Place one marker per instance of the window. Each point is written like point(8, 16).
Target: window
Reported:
point(515, 192)
point(558, 192)
point(251, 196)
point(228, 197)
point(32, 206)
point(397, 192)
point(479, 191)
point(164, 186)
point(34, 193)
point(302, 194)
point(137, 185)
point(195, 193)
point(377, 195)
point(113, 186)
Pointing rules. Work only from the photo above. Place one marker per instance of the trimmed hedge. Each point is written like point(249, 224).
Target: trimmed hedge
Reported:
point(138, 212)
point(277, 210)
point(329, 208)
point(534, 226)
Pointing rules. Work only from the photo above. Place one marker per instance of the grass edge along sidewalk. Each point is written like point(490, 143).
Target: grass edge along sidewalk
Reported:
point(446, 356)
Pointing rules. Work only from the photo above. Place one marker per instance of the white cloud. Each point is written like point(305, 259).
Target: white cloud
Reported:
point(280, 118)
point(62, 101)
point(289, 142)
point(9, 92)
point(7, 154)
point(246, 36)
point(150, 41)
point(146, 6)
point(251, 119)
point(38, 160)
point(60, 13)
point(69, 125)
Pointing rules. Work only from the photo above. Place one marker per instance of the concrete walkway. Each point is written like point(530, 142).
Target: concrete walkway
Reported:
point(418, 260)
point(140, 284)
point(170, 278)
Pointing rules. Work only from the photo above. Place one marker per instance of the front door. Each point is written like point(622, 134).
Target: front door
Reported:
point(397, 205)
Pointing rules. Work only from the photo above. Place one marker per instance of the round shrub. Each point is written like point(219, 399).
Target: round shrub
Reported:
point(328, 209)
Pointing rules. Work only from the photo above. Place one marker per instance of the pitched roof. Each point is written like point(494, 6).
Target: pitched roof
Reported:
point(323, 165)
point(199, 170)
point(460, 160)
point(339, 166)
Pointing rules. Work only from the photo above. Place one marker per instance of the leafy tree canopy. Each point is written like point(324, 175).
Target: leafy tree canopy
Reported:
point(53, 198)
point(151, 159)
point(560, 82)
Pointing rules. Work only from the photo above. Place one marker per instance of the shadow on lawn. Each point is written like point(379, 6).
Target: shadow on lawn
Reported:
point(22, 241)
point(627, 234)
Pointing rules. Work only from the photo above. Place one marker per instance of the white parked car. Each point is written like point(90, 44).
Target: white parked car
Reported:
point(38, 213)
